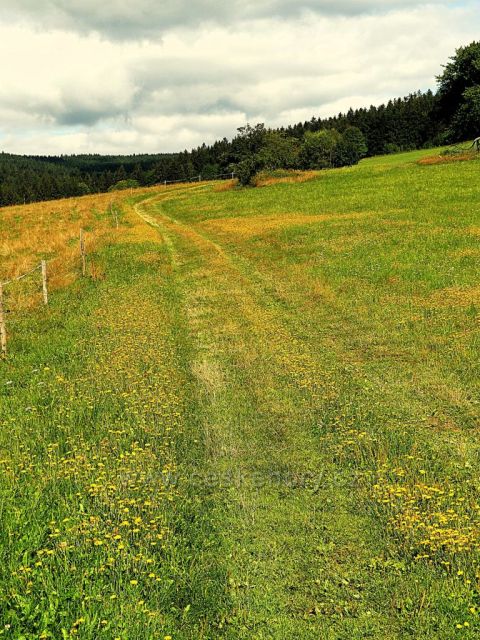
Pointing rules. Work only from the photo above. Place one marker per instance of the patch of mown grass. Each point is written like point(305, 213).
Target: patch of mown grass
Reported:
point(375, 309)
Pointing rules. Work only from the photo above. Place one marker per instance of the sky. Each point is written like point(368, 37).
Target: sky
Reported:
point(83, 76)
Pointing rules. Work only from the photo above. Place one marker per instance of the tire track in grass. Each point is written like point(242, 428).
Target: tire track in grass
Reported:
point(288, 515)
point(414, 539)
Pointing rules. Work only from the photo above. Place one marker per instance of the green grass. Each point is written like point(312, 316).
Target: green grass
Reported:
point(281, 385)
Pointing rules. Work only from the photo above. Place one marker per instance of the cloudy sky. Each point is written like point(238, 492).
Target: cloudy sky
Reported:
point(84, 76)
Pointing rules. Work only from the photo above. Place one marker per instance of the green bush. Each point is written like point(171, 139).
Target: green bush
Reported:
point(125, 184)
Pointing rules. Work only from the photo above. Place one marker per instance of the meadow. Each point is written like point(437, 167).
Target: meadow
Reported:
point(255, 418)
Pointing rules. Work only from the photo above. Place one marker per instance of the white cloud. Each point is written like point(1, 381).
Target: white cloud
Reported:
point(146, 18)
point(72, 92)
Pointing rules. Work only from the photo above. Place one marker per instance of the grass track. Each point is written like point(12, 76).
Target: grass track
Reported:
point(278, 514)
point(303, 366)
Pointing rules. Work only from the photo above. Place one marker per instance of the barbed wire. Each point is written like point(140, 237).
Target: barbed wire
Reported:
point(24, 275)
point(199, 178)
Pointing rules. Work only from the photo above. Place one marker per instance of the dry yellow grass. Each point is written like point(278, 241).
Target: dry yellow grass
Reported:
point(473, 230)
point(50, 230)
point(461, 157)
point(244, 228)
point(455, 297)
point(266, 180)
point(292, 177)
point(225, 186)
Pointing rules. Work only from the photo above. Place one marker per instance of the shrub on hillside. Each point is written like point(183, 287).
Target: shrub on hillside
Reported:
point(246, 171)
point(350, 149)
point(318, 149)
point(262, 150)
point(125, 184)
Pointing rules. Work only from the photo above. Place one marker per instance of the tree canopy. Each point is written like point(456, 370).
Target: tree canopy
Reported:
point(459, 93)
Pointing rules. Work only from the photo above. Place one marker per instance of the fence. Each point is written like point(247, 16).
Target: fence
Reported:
point(222, 176)
point(42, 267)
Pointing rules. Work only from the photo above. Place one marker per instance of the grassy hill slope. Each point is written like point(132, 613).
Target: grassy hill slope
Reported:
point(257, 418)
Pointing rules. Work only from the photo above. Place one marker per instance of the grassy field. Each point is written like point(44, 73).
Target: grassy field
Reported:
point(257, 418)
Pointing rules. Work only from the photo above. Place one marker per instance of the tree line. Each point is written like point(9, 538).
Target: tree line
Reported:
point(419, 120)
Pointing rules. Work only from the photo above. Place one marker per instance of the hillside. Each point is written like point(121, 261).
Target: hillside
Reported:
point(255, 418)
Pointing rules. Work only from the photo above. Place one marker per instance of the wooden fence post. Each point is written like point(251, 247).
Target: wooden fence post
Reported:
point(114, 212)
point(82, 252)
point(44, 282)
point(3, 329)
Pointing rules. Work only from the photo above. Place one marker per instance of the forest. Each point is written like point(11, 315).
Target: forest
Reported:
point(419, 120)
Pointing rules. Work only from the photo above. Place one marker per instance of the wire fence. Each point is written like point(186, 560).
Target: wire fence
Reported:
point(465, 147)
point(42, 266)
point(24, 275)
point(200, 178)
